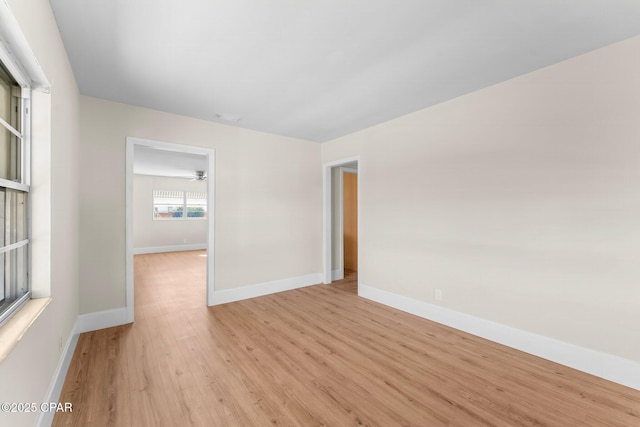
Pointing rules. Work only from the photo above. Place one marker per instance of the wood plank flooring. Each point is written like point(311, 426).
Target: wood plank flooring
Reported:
point(315, 356)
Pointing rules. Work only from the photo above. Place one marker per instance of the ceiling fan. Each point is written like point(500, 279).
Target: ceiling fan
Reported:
point(199, 176)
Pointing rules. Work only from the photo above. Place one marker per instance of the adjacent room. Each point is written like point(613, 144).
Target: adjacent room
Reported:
point(320, 213)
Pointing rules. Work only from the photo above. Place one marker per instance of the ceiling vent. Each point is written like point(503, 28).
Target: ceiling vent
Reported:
point(227, 117)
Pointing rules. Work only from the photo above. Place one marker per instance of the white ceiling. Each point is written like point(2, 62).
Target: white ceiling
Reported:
point(159, 162)
point(321, 69)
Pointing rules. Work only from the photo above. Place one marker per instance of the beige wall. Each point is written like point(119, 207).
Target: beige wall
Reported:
point(26, 373)
point(149, 233)
point(267, 204)
point(520, 201)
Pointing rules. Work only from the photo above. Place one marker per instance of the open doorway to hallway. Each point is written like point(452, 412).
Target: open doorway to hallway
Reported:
point(345, 224)
point(341, 210)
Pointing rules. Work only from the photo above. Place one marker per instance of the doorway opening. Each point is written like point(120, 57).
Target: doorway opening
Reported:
point(185, 202)
point(341, 214)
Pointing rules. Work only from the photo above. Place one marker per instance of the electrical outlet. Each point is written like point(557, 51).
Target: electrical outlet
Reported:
point(437, 294)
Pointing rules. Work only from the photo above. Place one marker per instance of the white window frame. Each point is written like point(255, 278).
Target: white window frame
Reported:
point(184, 206)
point(24, 185)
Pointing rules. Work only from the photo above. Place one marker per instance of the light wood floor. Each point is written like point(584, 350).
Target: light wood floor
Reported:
point(313, 356)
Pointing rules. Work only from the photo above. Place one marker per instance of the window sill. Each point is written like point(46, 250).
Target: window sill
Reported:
point(12, 332)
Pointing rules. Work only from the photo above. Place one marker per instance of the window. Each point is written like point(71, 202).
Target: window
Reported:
point(14, 190)
point(173, 204)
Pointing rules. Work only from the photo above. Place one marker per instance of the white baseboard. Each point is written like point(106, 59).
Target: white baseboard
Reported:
point(173, 248)
point(102, 319)
point(603, 365)
point(60, 374)
point(266, 288)
point(337, 274)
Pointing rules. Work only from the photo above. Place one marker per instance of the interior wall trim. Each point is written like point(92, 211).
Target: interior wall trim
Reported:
point(102, 319)
point(172, 248)
point(266, 288)
point(613, 368)
point(59, 375)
